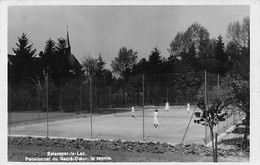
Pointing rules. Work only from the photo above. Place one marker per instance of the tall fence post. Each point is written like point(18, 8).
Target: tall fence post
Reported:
point(218, 97)
point(80, 100)
point(233, 116)
point(216, 148)
point(9, 110)
point(148, 101)
point(96, 97)
point(167, 93)
point(38, 100)
point(218, 86)
point(205, 93)
point(131, 97)
point(187, 100)
point(143, 104)
point(47, 102)
point(61, 101)
point(109, 105)
point(90, 104)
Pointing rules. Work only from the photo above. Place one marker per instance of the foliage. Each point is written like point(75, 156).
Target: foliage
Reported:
point(24, 50)
point(221, 56)
point(48, 56)
point(96, 68)
point(21, 68)
point(124, 62)
point(63, 69)
point(90, 65)
point(240, 33)
point(195, 35)
point(236, 89)
point(210, 116)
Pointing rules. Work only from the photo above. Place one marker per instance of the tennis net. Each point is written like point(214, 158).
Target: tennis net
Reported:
point(148, 112)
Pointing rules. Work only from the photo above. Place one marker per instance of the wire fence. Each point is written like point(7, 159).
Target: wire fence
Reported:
point(27, 102)
point(76, 98)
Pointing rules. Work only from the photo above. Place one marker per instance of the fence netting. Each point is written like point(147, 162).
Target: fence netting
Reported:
point(27, 101)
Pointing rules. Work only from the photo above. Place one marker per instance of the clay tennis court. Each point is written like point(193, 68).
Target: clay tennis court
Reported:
point(173, 124)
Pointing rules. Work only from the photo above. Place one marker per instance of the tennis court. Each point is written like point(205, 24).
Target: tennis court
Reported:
point(120, 125)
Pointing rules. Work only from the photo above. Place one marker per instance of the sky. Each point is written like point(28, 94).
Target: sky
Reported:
point(104, 29)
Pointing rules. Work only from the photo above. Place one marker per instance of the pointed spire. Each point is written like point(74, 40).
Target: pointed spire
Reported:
point(68, 42)
point(68, 39)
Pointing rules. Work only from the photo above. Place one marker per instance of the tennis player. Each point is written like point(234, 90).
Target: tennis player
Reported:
point(188, 107)
point(133, 112)
point(167, 106)
point(155, 119)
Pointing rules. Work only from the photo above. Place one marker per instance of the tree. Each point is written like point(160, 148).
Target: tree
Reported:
point(90, 65)
point(155, 57)
point(195, 35)
point(47, 56)
point(61, 46)
point(239, 46)
point(140, 67)
point(155, 61)
point(104, 76)
point(210, 116)
point(240, 34)
point(195, 38)
point(23, 62)
point(100, 67)
point(178, 45)
point(221, 57)
point(96, 67)
point(236, 89)
point(236, 92)
point(62, 63)
point(190, 57)
point(124, 62)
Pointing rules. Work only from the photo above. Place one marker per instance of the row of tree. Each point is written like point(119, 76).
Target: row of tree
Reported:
point(190, 51)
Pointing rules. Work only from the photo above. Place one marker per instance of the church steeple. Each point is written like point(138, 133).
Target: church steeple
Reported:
point(68, 43)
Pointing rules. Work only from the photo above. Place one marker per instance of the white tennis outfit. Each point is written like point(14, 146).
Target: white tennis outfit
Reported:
point(167, 106)
point(188, 107)
point(155, 118)
point(133, 111)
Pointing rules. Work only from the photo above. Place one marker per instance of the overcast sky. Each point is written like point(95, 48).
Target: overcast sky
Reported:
point(106, 29)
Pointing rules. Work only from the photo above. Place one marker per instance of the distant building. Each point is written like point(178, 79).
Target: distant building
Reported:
point(75, 66)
